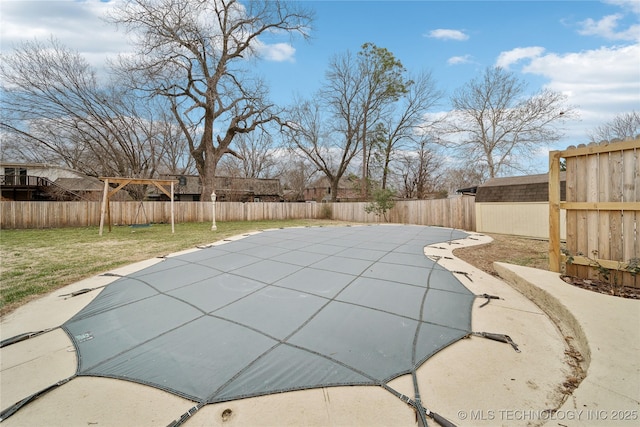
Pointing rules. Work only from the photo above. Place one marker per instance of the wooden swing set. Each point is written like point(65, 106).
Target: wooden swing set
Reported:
point(122, 182)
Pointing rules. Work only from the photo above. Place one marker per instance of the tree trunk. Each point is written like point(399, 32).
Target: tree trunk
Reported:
point(385, 170)
point(334, 189)
point(209, 160)
point(365, 161)
point(207, 177)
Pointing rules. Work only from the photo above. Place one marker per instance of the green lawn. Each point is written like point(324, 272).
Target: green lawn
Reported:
point(35, 262)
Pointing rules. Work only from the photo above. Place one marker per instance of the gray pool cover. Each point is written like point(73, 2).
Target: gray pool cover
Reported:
point(281, 310)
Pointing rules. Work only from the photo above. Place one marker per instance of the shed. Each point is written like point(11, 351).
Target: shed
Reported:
point(517, 205)
point(528, 188)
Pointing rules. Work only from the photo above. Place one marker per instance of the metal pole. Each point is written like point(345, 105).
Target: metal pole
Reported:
point(213, 210)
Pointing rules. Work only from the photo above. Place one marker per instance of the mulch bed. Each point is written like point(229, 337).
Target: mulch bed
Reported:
point(603, 287)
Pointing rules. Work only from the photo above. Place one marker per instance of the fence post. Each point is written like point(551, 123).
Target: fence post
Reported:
point(554, 211)
point(103, 208)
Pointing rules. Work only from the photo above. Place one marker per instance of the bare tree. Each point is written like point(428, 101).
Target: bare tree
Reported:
point(198, 55)
point(53, 103)
point(496, 124)
point(177, 159)
point(256, 157)
point(420, 171)
point(356, 92)
point(465, 176)
point(623, 126)
point(404, 127)
point(296, 175)
point(330, 145)
point(53, 144)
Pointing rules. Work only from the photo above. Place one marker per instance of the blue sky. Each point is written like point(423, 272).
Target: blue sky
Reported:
point(589, 50)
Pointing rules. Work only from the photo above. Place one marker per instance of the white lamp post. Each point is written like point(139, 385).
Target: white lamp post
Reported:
point(213, 211)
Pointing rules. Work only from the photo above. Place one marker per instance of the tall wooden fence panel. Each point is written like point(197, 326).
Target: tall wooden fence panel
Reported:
point(456, 213)
point(49, 214)
point(603, 211)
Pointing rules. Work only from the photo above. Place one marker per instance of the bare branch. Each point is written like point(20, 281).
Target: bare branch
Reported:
point(198, 53)
point(495, 123)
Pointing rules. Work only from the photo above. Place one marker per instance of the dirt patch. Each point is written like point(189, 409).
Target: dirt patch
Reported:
point(603, 287)
point(532, 253)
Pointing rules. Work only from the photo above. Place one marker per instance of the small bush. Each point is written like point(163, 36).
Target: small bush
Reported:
point(326, 211)
point(381, 204)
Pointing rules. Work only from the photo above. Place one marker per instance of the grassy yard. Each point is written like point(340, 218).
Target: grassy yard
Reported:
point(35, 262)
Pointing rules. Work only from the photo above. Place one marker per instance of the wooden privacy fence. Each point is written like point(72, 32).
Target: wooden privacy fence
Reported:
point(603, 211)
point(456, 212)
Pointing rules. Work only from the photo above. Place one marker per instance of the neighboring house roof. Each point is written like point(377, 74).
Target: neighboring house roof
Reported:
point(224, 184)
point(68, 179)
point(191, 186)
point(468, 190)
point(60, 171)
point(528, 188)
point(258, 186)
point(66, 183)
point(29, 165)
point(323, 182)
point(80, 184)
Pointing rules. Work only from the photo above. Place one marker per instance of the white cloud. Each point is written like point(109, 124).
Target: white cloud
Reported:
point(611, 27)
point(444, 34)
point(608, 70)
point(278, 52)
point(457, 60)
point(601, 83)
point(632, 5)
point(505, 59)
point(607, 27)
point(77, 25)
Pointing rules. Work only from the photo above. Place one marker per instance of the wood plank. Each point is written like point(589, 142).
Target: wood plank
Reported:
point(601, 206)
point(105, 198)
point(635, 280)
point(596, 149)
point(571, 215)
point(629, 218)
point(582, 244)
point(594, 261)
point(603, 197)
point(554, 212)
point(616, 195)
point(592, 216)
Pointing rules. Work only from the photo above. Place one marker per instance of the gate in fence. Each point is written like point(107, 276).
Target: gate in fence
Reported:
point(603, 212)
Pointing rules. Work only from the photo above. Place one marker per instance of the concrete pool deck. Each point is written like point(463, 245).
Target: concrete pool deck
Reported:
point(472, 382)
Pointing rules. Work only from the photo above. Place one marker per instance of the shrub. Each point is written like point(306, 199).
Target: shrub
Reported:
point(382, 202)
point(326, 211)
